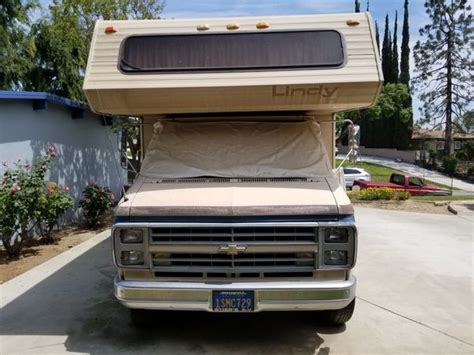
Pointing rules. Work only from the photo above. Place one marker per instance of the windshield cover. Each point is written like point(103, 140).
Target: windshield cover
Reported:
point(236, 149)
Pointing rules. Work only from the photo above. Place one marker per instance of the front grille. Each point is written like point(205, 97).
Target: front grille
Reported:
point(242, 260)
point(234, 251)
point(233, 234)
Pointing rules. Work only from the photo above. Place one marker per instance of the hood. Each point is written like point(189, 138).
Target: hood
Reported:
point(323, 196)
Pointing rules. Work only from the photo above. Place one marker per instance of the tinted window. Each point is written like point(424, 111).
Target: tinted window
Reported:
point(232, 51)
point(398, 179)
point(415, 181)
point(351, 171)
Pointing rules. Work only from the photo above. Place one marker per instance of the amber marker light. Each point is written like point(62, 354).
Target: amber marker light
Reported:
point(233, 26)
point(110, 29)
point(352, 23)
point(262, 25)
point(204, 27)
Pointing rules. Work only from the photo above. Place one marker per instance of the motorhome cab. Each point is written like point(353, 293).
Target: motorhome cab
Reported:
point(237, 207)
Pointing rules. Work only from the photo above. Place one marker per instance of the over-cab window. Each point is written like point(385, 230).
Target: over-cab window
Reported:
point(232, 51)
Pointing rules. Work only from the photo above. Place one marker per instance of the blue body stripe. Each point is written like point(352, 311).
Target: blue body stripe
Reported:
point(233, 219)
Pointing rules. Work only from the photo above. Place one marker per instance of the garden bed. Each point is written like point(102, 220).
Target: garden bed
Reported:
point(35, 252)
point(408, 205)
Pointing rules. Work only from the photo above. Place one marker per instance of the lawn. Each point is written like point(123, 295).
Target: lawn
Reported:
point(443, 198)
point(378, 172)
point(382, 173)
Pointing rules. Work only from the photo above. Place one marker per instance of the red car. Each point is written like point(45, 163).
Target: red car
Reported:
point(413, 184)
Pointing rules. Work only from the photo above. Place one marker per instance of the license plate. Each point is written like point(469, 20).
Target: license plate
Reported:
point(232, 301)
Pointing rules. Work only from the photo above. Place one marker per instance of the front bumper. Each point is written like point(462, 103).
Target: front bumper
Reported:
point(269, 296)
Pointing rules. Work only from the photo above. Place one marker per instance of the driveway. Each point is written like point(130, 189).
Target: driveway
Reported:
point(417, 170)
point(414, 296)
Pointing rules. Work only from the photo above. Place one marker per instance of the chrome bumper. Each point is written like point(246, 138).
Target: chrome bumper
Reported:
point(269, 296)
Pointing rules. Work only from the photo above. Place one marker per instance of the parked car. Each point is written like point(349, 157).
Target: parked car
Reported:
point(415, 185)
point(352, 174)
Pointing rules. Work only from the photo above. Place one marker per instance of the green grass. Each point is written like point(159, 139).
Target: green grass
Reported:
point(382, 173)
point(443, 198)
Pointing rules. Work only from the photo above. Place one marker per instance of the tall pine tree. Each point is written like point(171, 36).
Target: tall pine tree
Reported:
point(357, 6)
point(405, 54)
point(377, 35)
point(394, 67)
point(387, 53)
point(444, 65)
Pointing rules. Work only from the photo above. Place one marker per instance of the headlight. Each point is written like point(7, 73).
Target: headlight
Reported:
point(335, 257)
point(132, 257)
point(129, 236)
point(336, 235)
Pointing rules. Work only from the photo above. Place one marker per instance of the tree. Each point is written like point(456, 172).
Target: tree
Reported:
point(405, 54)
point(17, 47)
point(62, 40)
point(394, 67)
point(377, 35)
point(444, 64)
point(387, 53)
point(388, 123)
point(357, 5)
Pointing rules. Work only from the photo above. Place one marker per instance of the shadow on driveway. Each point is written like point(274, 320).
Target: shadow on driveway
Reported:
point(77, 304)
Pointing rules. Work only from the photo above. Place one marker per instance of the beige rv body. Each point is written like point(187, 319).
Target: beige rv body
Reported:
point(239, 208)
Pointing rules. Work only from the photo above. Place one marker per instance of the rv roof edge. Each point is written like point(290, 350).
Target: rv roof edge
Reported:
point(134, 68)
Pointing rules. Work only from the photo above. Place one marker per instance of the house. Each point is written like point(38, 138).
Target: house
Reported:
point(86, 145)
point(426, 139)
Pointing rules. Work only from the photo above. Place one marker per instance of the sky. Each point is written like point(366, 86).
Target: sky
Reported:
point(180, 9)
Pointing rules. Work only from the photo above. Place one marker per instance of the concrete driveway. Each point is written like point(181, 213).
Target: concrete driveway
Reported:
point(415, 296)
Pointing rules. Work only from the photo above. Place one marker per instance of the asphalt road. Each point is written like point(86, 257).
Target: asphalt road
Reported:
point(415, 296)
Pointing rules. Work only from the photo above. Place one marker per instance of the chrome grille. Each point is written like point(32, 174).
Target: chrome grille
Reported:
point(234, 250)
point(233, 234)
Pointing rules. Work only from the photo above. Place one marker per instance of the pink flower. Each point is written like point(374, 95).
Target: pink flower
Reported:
point(66, 189)
point(15, 187)
point(51, 151)
point(5, 163)
point(27, 165)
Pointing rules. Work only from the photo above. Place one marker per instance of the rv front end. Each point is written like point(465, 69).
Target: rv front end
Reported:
point(236, 266)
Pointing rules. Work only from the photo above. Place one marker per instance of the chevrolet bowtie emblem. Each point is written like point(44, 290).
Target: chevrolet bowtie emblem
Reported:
point(232, 249)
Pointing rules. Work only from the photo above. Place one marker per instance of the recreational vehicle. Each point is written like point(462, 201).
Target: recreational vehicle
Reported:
point(237, 206)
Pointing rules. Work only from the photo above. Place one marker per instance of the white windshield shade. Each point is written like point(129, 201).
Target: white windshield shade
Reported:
point(236, 149)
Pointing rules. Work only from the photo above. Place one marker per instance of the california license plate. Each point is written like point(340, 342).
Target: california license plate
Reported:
point(232, 301)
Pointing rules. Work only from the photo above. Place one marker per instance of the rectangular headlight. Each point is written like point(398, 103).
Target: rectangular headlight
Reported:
point(336, 235)
point(132, 257)
point(335, 257)
point(130, 236)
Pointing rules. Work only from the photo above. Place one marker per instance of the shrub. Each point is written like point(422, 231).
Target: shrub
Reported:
point(96, 203)
point(449, 165)
point(385, 193)
point(53, 203)
point(20, 191)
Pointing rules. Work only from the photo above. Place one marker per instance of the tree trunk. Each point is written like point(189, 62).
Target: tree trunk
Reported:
point(448, 136)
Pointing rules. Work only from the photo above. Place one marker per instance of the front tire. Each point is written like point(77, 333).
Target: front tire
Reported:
point(339, 316)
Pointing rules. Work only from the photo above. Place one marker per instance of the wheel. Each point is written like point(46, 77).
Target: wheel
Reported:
point(140, 318)
point(339, 316)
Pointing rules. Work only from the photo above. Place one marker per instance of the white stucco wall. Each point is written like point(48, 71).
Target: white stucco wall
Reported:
point(87, 150)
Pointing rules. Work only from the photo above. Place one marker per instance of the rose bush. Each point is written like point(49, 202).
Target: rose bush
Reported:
point(97, 201)
point(53, 203)
point(23, 202)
